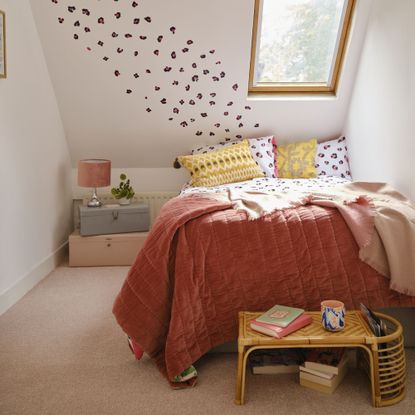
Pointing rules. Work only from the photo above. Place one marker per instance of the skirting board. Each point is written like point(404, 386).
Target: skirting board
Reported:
point(38, 272)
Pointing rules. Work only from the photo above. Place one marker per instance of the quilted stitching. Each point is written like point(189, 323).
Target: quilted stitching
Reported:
point(203, 262)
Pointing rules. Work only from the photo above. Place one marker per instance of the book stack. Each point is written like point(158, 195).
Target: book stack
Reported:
point(280, 321)
point(324, 369)
point(276, 361)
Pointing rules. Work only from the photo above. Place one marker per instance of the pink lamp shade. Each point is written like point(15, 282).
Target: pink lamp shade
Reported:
point(94, 173)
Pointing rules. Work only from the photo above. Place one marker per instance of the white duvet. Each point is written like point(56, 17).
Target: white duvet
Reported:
point(269, 185)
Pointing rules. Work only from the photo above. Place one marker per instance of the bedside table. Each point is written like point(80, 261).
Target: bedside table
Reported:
point(104, 250)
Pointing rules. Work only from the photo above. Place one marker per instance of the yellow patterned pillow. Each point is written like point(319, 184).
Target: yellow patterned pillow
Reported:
point(297, 160)
point(232, 164)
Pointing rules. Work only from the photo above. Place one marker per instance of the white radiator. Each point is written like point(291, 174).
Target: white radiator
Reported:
point(154, 200)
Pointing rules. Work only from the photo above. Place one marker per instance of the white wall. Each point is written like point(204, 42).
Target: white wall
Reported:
point(101, 120)
point(142, 180)
point(381, 124)
point(35, 168)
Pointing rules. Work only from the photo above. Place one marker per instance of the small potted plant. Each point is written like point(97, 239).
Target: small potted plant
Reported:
point(124, 192)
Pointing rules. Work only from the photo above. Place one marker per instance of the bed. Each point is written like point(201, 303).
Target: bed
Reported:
point(204, 261)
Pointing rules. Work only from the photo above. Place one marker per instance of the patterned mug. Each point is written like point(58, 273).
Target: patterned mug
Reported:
point(333, 315)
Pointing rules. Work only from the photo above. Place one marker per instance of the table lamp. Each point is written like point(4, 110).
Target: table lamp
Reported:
point(94, 173)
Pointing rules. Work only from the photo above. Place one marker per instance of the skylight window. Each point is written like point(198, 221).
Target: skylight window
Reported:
point(298, 45)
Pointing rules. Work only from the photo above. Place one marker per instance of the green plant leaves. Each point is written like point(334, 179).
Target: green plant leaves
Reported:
point(124, 189)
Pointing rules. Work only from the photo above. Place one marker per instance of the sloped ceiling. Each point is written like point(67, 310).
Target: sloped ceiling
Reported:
point(142, 81)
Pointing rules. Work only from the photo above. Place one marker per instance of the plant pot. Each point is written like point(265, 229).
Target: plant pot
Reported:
point(124, 201)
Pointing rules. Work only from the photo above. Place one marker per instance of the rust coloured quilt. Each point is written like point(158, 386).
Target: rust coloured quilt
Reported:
point(203, 262)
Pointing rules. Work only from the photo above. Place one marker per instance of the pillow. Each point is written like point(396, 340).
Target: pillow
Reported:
point(229, 165)
point(297, 160)
point(332, 159)
point(262, 150)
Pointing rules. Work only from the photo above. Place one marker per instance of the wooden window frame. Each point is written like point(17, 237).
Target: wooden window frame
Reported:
point(298, 87)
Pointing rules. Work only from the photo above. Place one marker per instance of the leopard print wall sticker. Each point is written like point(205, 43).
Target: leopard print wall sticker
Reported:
point(164, 67)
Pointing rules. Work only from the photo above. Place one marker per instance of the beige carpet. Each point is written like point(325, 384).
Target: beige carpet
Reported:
point(61, 352)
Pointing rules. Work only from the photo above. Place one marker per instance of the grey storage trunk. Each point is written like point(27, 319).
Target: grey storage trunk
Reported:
point(109, 219)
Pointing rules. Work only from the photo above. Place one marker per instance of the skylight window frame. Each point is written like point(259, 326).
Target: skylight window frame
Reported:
point(301, 87)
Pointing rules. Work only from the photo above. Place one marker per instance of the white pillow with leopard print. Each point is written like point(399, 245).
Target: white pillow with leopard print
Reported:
point(262, 150)
point(332, 159)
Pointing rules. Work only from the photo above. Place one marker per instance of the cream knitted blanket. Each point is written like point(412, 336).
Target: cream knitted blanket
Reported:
point(381, 219)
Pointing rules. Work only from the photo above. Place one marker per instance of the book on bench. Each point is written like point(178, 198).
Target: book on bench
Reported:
point(279, 332)
point(280, 315)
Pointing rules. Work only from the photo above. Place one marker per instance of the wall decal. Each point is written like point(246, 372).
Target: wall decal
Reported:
point(160, 53)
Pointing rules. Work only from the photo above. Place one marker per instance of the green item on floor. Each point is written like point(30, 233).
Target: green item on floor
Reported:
point(187, 374)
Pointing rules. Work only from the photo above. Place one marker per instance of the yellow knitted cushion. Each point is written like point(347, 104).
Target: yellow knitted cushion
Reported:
point(297, 160)
point(232, 164)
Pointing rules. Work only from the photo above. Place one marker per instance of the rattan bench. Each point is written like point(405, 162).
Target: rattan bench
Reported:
point(382, 357)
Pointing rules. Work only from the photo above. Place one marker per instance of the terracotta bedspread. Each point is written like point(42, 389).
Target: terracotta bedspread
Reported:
point(203, 262)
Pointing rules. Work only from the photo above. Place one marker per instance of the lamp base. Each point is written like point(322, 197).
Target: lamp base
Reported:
point(94, 202)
